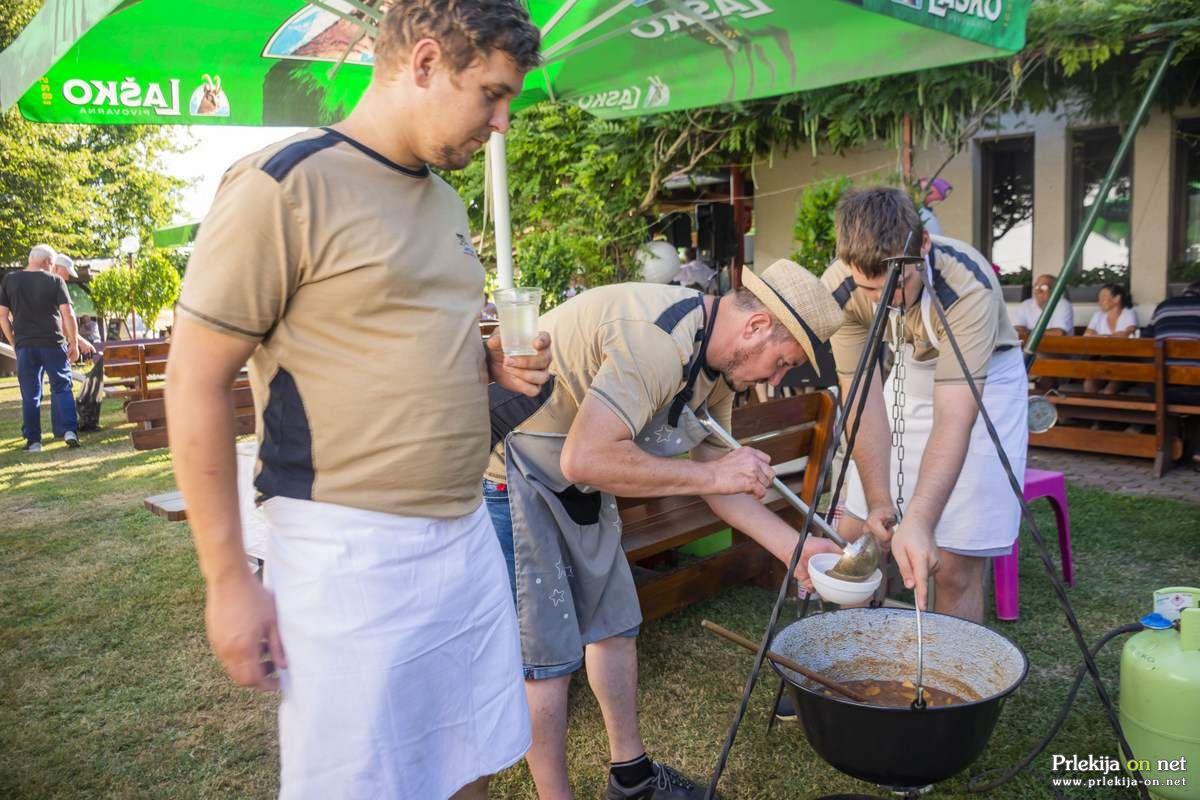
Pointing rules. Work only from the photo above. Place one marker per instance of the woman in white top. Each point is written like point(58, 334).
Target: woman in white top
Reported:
point(1115, 318)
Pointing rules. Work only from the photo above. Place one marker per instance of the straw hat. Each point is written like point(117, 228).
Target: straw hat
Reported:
point(799, 300)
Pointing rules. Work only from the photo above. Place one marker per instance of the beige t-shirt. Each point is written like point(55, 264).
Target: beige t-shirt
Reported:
point(970, 293)
point(357, 279)
point(627, 345)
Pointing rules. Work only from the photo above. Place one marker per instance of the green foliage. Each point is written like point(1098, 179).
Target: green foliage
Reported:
point(575, 189)
point(155, 285)
point(816, 238)
point(147, 288)
point(1184, 272)
point(1019, 277)
point(1099, 276)
point(79, 188)
point(112, 291)
point(550, 257)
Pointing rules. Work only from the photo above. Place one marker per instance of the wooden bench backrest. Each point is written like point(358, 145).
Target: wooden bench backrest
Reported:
point(785, 429)
point(136, 363)
point(1182, 350)
point(151, 415)
point(1095, 357)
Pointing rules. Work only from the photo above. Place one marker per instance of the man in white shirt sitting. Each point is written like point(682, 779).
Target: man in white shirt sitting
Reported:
point(1062, 321)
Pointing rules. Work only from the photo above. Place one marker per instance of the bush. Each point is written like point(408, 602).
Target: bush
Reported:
point(549, 258)
point(1020, 277)
point(816, 237)
point(146, 289)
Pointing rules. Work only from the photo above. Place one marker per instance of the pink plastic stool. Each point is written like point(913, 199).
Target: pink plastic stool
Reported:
point(1038, 483)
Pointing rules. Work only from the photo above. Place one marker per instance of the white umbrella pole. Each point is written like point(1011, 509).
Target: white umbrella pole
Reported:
point(503, 223)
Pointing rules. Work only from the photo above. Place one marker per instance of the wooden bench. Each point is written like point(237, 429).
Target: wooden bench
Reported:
point(1138, 361)
point(797, 431)
point(130, 368)
point(150, 419)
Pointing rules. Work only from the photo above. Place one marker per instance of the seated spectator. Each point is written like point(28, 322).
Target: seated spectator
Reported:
point(1115, 318)
point(1179, 318)
point(1062, 321)
point(694, 271)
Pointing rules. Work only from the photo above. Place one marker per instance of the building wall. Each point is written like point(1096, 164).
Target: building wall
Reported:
point(780, 178)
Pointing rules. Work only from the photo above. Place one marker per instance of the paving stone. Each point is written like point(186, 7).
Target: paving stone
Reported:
point(1117, 474)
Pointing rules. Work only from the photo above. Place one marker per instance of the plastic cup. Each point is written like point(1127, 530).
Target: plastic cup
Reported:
point(518, 310)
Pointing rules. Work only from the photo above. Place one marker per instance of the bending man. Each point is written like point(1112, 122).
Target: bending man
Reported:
point(633, 366)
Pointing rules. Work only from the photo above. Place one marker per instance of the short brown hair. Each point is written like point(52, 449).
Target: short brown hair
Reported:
point(467, 30)
point(873, 225)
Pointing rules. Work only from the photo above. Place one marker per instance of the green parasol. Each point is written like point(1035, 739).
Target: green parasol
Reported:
point(286, 62)
point(176, 235)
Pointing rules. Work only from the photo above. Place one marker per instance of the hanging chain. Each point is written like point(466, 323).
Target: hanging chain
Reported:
point(898, 374)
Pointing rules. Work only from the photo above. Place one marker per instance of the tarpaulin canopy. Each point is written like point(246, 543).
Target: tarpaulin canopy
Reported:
point(286, 62)
point(176, 235)
point(81, 301)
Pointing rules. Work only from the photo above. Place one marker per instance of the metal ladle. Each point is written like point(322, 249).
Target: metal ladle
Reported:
point(859, 559)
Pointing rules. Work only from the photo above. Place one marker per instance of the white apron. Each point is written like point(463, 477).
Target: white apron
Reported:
point(404, 670)
point(981, 517)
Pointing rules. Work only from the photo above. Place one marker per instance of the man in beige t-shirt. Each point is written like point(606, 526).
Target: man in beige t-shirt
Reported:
point(962, 510)
point(342, 267)
point(632, 365)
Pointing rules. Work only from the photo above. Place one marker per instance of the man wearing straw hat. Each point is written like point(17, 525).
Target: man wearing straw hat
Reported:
point(633, 367)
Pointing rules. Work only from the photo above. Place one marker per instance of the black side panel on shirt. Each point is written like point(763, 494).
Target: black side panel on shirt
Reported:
point(509, 409)
point(34, 298)
point(279, 165)
point(286, 452)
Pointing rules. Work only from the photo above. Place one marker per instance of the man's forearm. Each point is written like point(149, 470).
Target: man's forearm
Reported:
point(202, 449)
point(748, 515)
point(8, 331)
point(622, 469)
point(70, 329)
point(953, 417)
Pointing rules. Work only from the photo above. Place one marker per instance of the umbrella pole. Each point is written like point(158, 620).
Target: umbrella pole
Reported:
point(503, 223)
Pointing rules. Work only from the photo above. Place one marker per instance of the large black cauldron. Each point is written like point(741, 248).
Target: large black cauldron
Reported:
point(899, 747)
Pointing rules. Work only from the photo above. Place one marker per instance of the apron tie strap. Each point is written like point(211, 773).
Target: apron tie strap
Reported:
point(684, 397)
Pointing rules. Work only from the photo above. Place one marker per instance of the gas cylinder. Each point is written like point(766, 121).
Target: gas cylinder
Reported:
point(1160, 695)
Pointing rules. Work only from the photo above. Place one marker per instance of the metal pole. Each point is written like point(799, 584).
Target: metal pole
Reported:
point(1060, 285)
point(504, 253)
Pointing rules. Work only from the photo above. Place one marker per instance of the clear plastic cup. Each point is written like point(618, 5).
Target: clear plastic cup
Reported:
point(518, 309)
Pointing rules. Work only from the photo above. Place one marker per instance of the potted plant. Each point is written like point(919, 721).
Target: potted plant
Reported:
point(1084, 286)
point(1017, 285)
point(1181, 275)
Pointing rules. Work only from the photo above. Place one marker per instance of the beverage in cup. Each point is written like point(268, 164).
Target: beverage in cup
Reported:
point(518, 311)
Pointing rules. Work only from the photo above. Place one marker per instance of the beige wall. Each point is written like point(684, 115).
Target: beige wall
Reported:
point(780, 178)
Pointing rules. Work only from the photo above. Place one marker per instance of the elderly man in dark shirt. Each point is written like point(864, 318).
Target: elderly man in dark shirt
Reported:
point(37, 320)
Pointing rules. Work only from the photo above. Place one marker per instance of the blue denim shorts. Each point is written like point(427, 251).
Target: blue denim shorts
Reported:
point(495, 496)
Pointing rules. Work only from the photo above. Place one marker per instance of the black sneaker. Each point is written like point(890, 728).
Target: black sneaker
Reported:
point(664, 784)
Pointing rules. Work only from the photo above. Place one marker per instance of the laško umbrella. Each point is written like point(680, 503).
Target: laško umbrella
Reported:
point(290, 63)
point(285, 62)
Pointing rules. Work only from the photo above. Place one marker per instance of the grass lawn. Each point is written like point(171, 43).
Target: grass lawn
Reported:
point(107, 688)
